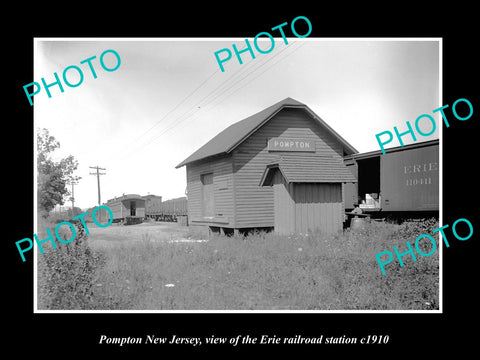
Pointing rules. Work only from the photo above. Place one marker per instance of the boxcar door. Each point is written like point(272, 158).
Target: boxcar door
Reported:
point(133, 208)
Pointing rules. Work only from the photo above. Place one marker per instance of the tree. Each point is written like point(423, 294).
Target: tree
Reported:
point(52, 176)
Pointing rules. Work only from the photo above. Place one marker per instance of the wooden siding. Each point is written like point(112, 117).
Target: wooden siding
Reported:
point(235, 134)
point(306, 208)
point(284, 222)
point(117, 209)
point(318, 208)
point(254, 204)
point(208, 196)
point(221, 168)
point(152, 202)
point(409, 180)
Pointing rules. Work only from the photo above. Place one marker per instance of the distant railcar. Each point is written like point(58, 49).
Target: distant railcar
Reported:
point(170, 210)
point(129, 209)
point(151, 201)
point(404, 180)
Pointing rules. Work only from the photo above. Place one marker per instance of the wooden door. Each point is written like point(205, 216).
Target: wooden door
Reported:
point(208, 202)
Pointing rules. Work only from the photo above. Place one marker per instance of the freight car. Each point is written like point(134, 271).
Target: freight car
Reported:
point(403, 183)
point(129, 209)
point(151, 202)
point(170, 210)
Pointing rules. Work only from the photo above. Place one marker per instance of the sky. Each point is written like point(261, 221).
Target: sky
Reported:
point(168, 97)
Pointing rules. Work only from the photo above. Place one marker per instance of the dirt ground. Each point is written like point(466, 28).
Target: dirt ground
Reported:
point(148, 231)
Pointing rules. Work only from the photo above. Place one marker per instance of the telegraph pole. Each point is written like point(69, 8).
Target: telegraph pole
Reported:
point(73, 181)
point(97, 174)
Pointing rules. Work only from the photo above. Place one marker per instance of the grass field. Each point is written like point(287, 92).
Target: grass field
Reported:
point(160, 266)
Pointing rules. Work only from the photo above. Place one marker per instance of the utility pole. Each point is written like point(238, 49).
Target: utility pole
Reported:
point(97, 174)
point(73, 181)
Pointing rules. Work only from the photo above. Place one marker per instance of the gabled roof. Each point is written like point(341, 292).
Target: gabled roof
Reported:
point(227, 140)
point(312, 169)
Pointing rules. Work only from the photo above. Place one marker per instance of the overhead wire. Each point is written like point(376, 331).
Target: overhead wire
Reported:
point(245, 84)
point(171, 110)
point(195, 107)
point(217, 88)
point(181, 118)
point(234, 84)
point(217, 92)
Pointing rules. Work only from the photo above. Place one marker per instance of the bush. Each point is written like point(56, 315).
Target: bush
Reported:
point(66, 274)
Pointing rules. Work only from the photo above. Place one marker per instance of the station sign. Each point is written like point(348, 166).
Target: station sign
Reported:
point(287, 144)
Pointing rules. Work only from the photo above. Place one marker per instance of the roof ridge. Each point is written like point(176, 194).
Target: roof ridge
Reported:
point(232, 136)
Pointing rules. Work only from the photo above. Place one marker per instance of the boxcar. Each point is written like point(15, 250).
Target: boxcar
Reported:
point(170, 210)
point(151, 203)
point(405, 179)
point(129, 209)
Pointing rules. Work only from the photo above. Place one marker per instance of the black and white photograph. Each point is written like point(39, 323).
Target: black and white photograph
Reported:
point(243, 183)
point(254, 188)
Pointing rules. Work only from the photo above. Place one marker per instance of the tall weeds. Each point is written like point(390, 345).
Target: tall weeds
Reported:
point(268, 271)
point(66, 275)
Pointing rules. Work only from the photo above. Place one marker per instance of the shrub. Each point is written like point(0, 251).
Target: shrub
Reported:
point(66, 274)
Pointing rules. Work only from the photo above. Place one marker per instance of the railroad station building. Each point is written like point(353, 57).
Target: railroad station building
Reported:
point(281, 168)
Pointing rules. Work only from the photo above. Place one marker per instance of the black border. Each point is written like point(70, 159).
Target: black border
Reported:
point(412, 334)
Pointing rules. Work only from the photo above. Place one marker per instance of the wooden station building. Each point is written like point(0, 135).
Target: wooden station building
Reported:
point(280, 168)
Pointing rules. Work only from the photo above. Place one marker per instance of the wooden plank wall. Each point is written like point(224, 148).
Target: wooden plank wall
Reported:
point(254, 204)
point(307, 207)
point(223, 191)
point(318, 208)
point(409, 179)
point(116, 208)
point(284, 205)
